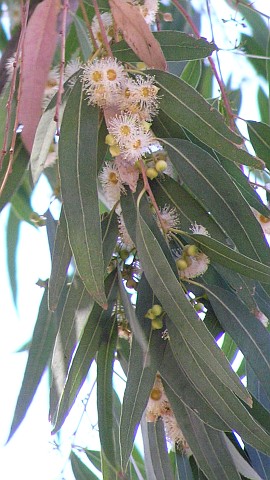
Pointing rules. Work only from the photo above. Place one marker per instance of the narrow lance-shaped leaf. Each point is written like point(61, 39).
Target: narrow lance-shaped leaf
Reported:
point(78, 173)
point(158, 450)
point(167, 288)
point(94, 330)
point(60, 261)
point(141, 373)
point(210, 183)
point(80, 470)
point(75, 313)
point(188, 108)
point(105, 361)
point(229, 258)
point(259, 136)
point(176, 46)
point(39, 353)
point(248, 332)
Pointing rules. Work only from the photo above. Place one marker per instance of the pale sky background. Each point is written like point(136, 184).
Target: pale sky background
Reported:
point(30, 454)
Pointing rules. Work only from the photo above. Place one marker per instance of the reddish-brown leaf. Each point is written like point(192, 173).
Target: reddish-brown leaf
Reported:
point(39, 46)
point(137, 34)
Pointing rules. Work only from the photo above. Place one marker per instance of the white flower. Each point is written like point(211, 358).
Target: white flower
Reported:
point(199, 229)
point(199, 265)
point(174, 433)
point(111, 183)
point(102, 81)
point(107, 21)
point(124, 127)
point(72, 67)
point(149, 10)
point(139, 144)
point(140, 97)
point(158, 403)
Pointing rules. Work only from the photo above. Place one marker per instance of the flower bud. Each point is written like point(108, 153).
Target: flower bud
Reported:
point(151, 173)
point(161, 165)
point(157, 310)
point(181, 264)
point(157, 324)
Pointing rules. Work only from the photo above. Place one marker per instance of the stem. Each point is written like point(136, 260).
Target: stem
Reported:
point(152, 198)
point(102, 30)
point(212, 64)
point(62, 65)
point(88, 24)
point(19, 54)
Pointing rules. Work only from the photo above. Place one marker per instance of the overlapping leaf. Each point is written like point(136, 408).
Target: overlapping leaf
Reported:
point(176, 46)
point(78, 173)
point(187, 107)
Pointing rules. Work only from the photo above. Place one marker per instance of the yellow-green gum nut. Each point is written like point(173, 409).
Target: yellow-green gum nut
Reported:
point(141, 66)
point(151, 173)
point(181, 264)
point(157, 324)
point(199, 307)
point(161, 165)
point(157, 310)
point(191, 250)
point(150, 314)
point(124, 254)
point(110, 140)
point(114, 150)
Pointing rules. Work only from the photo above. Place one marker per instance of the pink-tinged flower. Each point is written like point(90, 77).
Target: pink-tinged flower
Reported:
point(123, 127)
point(261, 317)
point(125, 239)
point(199, 229)
point(169, 217)
point(158, 403)
point(129, 174)
point(111, 183)
point(72, 67)
point(139, 97)
point(174, 433)
point(198, 266)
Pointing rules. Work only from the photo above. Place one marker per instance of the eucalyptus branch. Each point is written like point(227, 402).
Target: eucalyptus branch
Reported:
point(212, 64)
point(18, 56)
point(152, 198)
point(62, 65)
point(102, 30)
point(88, 24)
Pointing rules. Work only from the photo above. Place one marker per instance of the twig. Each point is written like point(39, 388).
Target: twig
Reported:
point(102, 29)
point(212, 64)
point(88, 24)
point(62, 65)
point(19, 54)
point(152, 198)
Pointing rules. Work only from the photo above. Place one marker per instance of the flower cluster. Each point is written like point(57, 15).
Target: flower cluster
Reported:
point(159, 407)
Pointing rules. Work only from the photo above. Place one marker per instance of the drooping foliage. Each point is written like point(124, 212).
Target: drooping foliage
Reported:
point(161, 246)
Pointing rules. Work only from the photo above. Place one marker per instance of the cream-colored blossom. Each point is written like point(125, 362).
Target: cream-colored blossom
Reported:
point(102, 80)
point(158, 403)
point(107, 21)
point(169, 217)
point(111, 183)
point(149, 10)
point(174, 433)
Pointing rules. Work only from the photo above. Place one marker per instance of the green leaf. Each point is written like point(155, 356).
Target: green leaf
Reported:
point(210, 183)
point(78, 173)
point(187, 107)
point(80, 470)
point(141, 373)
point(60, 262)
point(76, 311)
point(173, 375)
point(192, 73)
point(262, 100)
point(231, 259)
point(83, 36)
point(183, 466)
point(105, 361)
point(176, 46)
point(255, 50)
point(248, 332)
point(94, 457)
point(21, 159)
point(13, 227)
point(259, 134)
point(21, 201)
point(158, 450)
point(168, 290)
point(39, 354)
point(97, 326)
